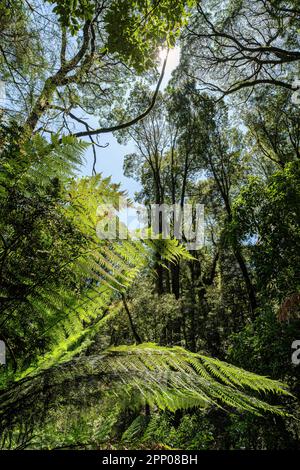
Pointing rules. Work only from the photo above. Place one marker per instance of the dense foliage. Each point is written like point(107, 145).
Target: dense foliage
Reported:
point(127, 343)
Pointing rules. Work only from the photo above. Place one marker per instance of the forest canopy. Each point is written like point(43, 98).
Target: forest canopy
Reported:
point(144, 342)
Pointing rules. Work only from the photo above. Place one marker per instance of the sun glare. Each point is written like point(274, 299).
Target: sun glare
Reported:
point(173, 58)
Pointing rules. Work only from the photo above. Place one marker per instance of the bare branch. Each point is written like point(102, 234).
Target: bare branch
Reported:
point(118, 127)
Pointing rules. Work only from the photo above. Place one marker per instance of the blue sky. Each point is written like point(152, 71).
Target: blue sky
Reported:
point(110, 159)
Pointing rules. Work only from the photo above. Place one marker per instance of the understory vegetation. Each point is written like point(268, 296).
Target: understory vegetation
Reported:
point(149, 342)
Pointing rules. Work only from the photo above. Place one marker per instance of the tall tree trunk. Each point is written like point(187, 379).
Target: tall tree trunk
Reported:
point(242, 264)
point(175, 279)
point(132, 325)
point(193, 333)
point(249, 286)
point(224, 192)
point(159, 276)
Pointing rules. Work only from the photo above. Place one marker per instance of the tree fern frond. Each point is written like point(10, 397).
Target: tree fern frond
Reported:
point(167, 378)
point(169, 249)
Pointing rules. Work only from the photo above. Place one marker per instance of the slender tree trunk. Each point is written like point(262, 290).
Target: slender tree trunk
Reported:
point(242, 264)
point(158, 266)
point(132, 325)
point(224, 192)
point(249, 286)
point(193, 332)
point(175, 278)
point(159, 276)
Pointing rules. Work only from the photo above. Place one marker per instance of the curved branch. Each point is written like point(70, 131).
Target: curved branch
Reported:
point(118, 127)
